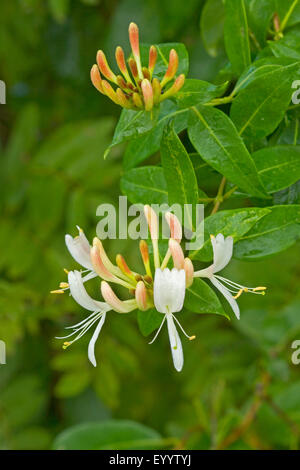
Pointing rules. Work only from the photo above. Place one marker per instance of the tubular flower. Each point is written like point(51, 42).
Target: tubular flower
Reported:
point(136, 87)
point(222, 251)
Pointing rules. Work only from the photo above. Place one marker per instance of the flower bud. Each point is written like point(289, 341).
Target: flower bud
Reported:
point(152, 60)
point(147, 94)
point(96, 78)
point(133, 69)
point(111, 299)
point(145, 257)
point(156, 90)
point(135, 46)
point(175, 226)
point(141, 296)
point(120, 58)
point(123, 100)
point(172, 68)
point(137, 100)
point(110, 92)
point(104, 67)
point(152, 221)
point(124, 267)
point(177, 254)
point(189, 272)
point(177, 85)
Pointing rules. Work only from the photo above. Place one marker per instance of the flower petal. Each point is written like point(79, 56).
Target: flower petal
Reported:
point(175, 343)
point(91, 348)
point(222, 249)
point(227, 295)
point(79, 248)
point(81, 296)
point(169, 290)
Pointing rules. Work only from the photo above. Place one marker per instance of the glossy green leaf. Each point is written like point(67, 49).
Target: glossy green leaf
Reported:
point(142, 147)
point(149, 320)
point(289, 195)
point(179, 173)
point(145, 185)
point(110, 435)
point(288, 46)
point(259, 116)
point(212, 26)
point(278, 167)
point(274, 233)
point(259, 15)
point(234, 223)
point(200, 298)
point(216, 139)
point(236, 35)
point(198, 91)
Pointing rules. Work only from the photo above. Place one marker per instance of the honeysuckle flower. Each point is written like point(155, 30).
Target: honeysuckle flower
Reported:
point(137, 89)
point(222, 254)
point(166, 293)
point(169, 293)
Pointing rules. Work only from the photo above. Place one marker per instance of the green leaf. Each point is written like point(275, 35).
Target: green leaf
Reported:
point(132, 124)
point(278, 167)
point(163, 51)
point(149, 320)
point(142, 147)
point(200, 298)
point(179, 173)
point(234, 223)
point(277, 231)
point(288, 46)
point(145, 185)
point(212, 26)
point(113, 434)
point(259, 116)
point(289, 195)
point(216, 139)
point(196, 92)
point(259, 14)
point(236, 35)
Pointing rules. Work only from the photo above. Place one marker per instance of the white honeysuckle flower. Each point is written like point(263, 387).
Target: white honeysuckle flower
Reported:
point(169, 293)
point(79, 249)
point(98, 309)
point(222, 254)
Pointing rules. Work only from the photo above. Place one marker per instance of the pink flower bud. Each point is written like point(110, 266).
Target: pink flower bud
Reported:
point(104, 67)
point(152, 59)
point(99, 267)
point(111, 299)
point(141, 296)
point(133, 69)
point(147, 94)
point(189, 272)
point(135, 46)
point(177, 254)
point(120, 58)
point(175, 226)
point(177, 85)
point(96, 78)
point(152, 221)
point(145, 256)
point(172, 67)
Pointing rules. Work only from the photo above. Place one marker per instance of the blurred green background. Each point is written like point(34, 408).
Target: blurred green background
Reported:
point(239, 388)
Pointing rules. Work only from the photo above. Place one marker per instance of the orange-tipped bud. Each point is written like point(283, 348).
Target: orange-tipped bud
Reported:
point(99, 267)
point(104, 67)
point(172, 67)
point(152, 221)
point(152, 59)
point(124, 266)
point(145, 257)
point(189, 272)
point(177, 254)
point(156, 90)
point(133, 69)
point(146, 73)
point(120, 58)
point(147, 94)
point(135, 46)
point(141, 296)
point(175, 226)
point(177, 85)
point(111, 299)
point(123, 100)
point(137, 100)
point(121, 82)
point(110, 92)
point(96, 78)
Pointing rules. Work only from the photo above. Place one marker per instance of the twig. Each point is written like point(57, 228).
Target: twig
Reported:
point(219, 196)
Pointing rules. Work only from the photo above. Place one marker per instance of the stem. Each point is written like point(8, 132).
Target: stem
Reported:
point(288, 15)
point(218, 101)
point(219, 197)
point(230, 192)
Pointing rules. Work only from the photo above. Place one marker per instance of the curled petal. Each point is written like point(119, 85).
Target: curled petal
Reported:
point(81, 296)
point(175, 343)
point(233, 303)
point(114, 302)
point(79, 248)
point(91, 348)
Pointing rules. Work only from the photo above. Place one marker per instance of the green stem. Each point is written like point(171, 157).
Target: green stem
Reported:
point(219, 197)
point(288, 15)
point(218, 101)
point(230, 192)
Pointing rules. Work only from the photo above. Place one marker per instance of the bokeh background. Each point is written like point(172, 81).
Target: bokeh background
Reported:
point(239, 388)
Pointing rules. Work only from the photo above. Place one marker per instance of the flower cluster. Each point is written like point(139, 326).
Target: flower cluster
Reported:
point(165, 290)
point(137, 89)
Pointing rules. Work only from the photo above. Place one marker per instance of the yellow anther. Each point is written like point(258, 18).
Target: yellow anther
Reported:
point(66, 271)
point(58, 291)
point(212, 237)
point(66, 345)
point(259, 288)
point(238, 294)
point(192, 337)
point(64, 285)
